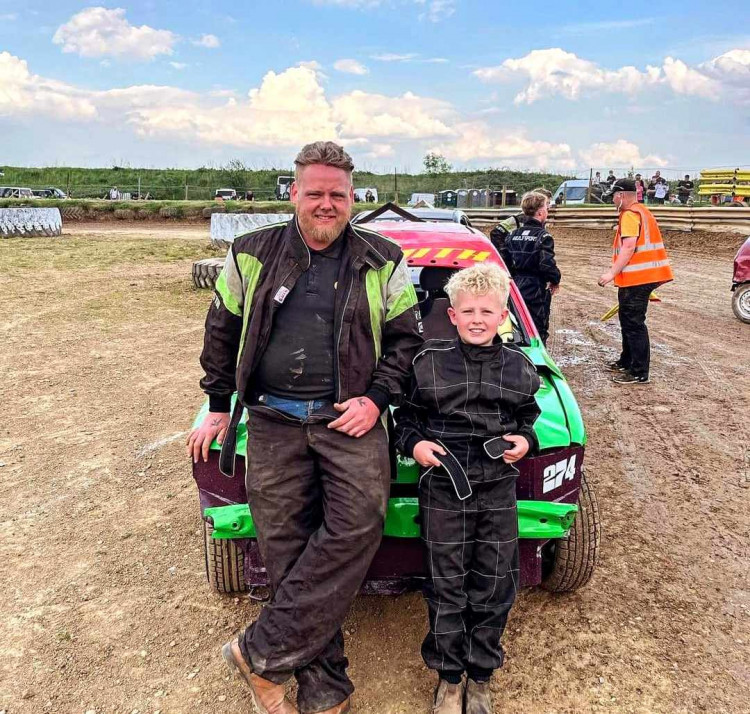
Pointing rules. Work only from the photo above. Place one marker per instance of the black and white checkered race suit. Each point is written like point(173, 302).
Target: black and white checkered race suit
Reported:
point(464, 397)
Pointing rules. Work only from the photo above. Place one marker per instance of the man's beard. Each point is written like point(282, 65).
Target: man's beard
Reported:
point(321, 234)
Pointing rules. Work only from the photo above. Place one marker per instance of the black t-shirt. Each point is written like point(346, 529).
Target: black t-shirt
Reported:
point(684, 187)
point(298, 361)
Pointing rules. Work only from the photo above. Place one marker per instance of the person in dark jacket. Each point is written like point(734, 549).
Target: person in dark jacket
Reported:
point(468, 417)
point(314, 324)
point(529, 254)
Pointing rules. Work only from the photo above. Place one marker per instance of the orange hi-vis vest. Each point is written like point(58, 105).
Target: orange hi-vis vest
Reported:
point(649, 263)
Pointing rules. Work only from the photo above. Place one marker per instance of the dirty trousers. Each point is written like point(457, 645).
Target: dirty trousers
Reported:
point(538, 300)
point(318, 499)
point(636, 348)
point(471, 558)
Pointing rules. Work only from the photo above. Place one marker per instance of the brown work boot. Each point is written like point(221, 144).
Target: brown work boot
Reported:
point(448, 698)
point(342, 708)
point(268, 698)
point(478, 698)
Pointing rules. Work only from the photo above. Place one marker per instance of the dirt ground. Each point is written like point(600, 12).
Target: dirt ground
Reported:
point(105, 606)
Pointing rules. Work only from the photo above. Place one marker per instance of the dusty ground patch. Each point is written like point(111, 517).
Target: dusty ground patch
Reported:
point(105, 604)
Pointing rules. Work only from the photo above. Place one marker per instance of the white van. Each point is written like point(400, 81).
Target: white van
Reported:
point(573, 192)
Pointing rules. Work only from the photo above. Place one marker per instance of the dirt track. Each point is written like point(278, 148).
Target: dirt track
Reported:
point(105, 607)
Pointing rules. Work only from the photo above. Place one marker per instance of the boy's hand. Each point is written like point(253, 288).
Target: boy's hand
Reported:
point(424, 453)
point(520, 449)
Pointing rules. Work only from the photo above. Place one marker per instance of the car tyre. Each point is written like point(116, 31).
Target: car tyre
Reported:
point(568, 563)
point(225, 563)
point(206, 272)
point(741, 303)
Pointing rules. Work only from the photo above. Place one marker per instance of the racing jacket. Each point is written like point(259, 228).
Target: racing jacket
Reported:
point(377, 327)
point(530, 252)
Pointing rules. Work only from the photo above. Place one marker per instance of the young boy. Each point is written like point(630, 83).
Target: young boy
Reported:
point(468, 417)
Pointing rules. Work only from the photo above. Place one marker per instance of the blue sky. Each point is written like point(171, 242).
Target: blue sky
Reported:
point(557, 86)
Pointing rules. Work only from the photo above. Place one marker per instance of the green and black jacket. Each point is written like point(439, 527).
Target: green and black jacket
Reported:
point(377, 326)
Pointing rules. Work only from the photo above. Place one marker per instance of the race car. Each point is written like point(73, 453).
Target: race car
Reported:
point(559, 530)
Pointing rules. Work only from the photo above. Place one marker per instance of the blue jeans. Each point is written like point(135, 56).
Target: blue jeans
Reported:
point(299, 408)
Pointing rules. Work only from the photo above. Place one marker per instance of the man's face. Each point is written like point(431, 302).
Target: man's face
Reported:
point(477, 317)
point(324, 198)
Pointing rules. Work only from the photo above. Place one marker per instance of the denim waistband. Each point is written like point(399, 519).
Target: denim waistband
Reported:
point(300, 408)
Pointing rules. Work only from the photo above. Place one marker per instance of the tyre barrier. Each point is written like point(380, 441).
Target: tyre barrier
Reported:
point(206, 272)
point(225, 227)
point(30, 222)
point(73, 213)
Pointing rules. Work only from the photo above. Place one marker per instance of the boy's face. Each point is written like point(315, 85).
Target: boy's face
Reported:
point(477, 317)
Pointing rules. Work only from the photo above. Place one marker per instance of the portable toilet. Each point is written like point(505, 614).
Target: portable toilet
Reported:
point(462, 198)
point(475, 198)
point(447, 199)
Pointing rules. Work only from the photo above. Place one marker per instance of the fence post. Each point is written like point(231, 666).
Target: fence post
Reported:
point(186, 189)
point(502, 203)
point(588, 190)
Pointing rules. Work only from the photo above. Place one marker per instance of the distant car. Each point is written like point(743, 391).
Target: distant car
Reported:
point(226, 194)
point(49, 193)
point(15, 192)
point(741, 283)
point(574, 192)
point(432, 215)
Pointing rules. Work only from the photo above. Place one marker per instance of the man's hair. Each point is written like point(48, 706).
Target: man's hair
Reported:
point(479, 280)
point(532, 202)
point(326, 153)
point(543, 191)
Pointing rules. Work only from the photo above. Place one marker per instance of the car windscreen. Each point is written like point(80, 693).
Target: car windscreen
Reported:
point(575, 193)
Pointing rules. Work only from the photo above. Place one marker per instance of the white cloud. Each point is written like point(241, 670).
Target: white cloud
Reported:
point(380, 151)
point(437, 10)
point(554, 71)
point(350, 66)
point(209, 41)
point(178, 65)
point(97, 32)
point(376, 115)
point(732, 71)
point(24, 93)
point(620, 153)
point(393, 57)
point(478, 141)
point(310, 64)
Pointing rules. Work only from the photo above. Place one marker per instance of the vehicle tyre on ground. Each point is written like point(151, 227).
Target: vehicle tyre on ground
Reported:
point(206, 272)
point(225, 563)
point(30, 222)
point(741, 303)
point(569, 563)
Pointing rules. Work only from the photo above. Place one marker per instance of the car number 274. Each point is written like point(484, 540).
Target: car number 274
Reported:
point(556, 473)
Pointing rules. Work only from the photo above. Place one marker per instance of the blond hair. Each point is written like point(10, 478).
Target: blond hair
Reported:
point(323, 152)
point(480, 279)
point(532, 202)
point(543, 191)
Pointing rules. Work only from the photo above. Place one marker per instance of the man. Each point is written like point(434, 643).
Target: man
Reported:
point(315, 324)
point(597, 179)
point(529, 254)
point(684, 189)
point(611, 178)
point(639, 265)
point(661, 191)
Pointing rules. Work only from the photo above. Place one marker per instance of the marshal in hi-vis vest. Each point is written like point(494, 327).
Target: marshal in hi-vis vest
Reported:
point(649, 263)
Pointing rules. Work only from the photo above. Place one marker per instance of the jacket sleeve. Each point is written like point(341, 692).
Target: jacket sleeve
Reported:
point(400, 339)
point(408, 422)
point(528, 411)
point(222, 337)
point(547, 266)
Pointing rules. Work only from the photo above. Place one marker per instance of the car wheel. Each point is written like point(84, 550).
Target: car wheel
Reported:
point(741, 302)
point(568, 563)
point(206, 272)
point(225, 563)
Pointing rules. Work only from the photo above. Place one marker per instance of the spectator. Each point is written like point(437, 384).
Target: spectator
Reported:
point(684, 189)
point(661, 191)
point(369, 198)
point(611, 178)
point(114, 194)
point(640, 188)
point(597, 179)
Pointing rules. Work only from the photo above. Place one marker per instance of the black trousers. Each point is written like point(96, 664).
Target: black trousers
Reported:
point(538, 300)
point(471, 559)
point(636, 349)
point(318, 498)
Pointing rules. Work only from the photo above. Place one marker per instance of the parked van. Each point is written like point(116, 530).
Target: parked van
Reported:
point(571, 192)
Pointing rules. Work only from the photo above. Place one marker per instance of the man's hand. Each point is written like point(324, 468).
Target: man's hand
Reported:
point(553, 289)
point(359, 416)
point(606, 278)
point(520, 449)
point(424, 453)
point(199, 440)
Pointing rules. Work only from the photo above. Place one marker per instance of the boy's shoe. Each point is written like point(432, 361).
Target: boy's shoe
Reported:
point(268, 698)
point(628, 378)
point(449, 698)
point(616, 366)
point(478, 699)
